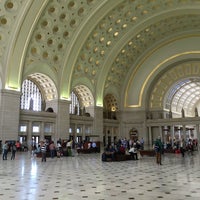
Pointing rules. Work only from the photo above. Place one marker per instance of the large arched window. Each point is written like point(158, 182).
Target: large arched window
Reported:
point(74, 106)
point(31, 98)
point(184, 95)
point(81, 99)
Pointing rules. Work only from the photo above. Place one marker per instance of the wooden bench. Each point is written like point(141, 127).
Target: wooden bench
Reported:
point(147, 153)
point(91, 150)
point(124, 157)
point(119, 157)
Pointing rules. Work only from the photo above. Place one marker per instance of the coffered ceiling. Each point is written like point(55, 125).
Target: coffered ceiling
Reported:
point(102, 44)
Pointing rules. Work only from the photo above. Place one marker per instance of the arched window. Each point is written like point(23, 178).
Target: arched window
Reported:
point(74, 106)
point(31, 98)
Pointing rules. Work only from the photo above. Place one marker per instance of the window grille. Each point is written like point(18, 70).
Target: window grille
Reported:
point(74, 106)
point(31, 97)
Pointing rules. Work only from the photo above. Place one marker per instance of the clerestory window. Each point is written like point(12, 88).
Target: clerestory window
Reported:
point(74, 106)
point(31, 98)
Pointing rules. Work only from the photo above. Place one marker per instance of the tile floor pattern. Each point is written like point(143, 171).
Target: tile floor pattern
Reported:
point(86, 177)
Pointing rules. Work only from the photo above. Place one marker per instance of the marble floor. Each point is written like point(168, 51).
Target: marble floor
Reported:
point(87, 177)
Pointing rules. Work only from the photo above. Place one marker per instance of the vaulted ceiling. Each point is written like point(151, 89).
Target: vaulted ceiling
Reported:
point(118, 47)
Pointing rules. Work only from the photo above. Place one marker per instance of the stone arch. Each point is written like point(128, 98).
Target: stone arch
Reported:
point(85, 98)
point(84, 94)
point(168, 83)
point(45, 84)
point(111, 106)
point(111, 103)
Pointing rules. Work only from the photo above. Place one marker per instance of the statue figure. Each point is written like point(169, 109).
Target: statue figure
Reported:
point(196, 112)
point(31, 104)
point(183, 113)
point(170, 114)
point(76, 110)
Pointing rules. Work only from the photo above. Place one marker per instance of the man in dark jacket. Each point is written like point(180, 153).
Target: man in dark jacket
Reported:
point(158, 149)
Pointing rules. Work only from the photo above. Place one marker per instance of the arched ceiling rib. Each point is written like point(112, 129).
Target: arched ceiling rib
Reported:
point(56, 29)
point(137, 46)
point(113, 29)
point(131, 27)
point(10, 11)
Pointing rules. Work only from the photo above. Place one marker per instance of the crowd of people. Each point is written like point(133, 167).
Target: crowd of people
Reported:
point(43, 147)
point(119, 147)
point(122, 147)
point(183, 145)
point(178, 145)
point(46, 148)
point(58, 149)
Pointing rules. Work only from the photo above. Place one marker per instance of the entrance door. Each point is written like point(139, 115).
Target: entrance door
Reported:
point(35, 140)
point(79, 139)
point(48, 138)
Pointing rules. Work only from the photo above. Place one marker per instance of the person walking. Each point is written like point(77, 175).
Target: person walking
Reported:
point(182, 147)
point(13, 150)
point(52, 149)
point(5, 150)
point(43, 151)
point(142, 143)
point(158, 149)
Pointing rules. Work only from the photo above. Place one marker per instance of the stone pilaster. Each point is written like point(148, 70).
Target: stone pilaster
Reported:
point(61, 108)
point(9, 114)
point(98, 122)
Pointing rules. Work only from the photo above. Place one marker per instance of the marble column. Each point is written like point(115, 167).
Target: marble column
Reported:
point(184, 131)
point(172, 132)
point(61, 108)
point(9, 114)
point(83, 133)
point(98, 122)
point(112, 135)
point(42, 131)
point(29, 135)
point(150, 136)
point(161, 133)
point(75, 133)
point(197, 130)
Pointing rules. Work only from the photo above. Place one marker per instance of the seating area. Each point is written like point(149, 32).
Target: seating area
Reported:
point(88, 147)
point(90, 150)
point(117, 157)
point(64, 152)
point(124, 157)
point(150, 152)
